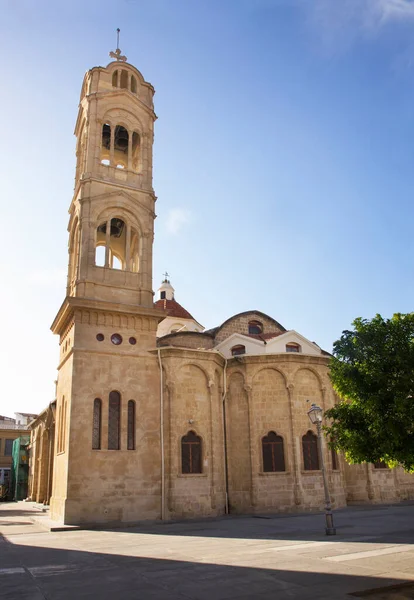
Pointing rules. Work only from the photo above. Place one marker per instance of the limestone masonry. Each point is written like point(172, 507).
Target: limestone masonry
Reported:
point(155, 417)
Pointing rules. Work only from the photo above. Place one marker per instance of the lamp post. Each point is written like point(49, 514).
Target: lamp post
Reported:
point(315, 416)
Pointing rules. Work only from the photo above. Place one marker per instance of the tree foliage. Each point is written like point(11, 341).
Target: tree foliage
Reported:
point(372, 371)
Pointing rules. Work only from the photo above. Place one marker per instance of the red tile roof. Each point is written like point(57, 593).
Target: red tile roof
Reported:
point(173, 309)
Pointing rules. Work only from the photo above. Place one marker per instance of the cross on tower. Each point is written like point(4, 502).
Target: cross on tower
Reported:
point(117, 54)
point(166, 276)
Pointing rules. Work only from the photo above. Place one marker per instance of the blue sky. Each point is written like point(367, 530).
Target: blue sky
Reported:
point(283, 160)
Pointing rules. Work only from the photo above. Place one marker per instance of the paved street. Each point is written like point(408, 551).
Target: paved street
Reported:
point(226, 558)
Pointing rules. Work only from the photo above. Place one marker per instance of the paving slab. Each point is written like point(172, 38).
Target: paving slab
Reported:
point(228, 558)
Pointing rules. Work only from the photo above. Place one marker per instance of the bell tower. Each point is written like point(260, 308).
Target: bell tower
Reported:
point(112, 212)
point(108, 382)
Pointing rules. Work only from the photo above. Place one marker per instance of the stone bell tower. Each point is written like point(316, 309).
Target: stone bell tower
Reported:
point(108, 382)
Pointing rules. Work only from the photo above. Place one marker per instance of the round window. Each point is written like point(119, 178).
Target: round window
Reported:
point(116, 339)
point(100, 337)
point(132, 341)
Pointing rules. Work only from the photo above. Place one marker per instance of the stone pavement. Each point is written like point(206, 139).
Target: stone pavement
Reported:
point(283, 557)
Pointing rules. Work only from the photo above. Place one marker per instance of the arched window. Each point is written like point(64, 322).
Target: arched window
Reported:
point(273, 453)
point(292, 347)
point(131, 425)
point(239, 349)
point(115, 79)
point(133, 85)
point(334, 458)
point(121, 147)
point(191, 453)
point(106, 144)
point(114, 414)
point(97, 424)
point(124, 79)
point(310, 452)
point(255, 327)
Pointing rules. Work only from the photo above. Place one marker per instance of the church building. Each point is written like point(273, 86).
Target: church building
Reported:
point(156, 417)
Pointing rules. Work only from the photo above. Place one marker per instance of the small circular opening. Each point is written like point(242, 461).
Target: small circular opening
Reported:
point(132, 341)
point(100, 337)
point(116, 339)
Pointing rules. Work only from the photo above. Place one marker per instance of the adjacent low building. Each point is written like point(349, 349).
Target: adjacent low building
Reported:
point(10, 429)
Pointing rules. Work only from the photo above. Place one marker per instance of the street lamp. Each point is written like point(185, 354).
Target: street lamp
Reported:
point(315, 416)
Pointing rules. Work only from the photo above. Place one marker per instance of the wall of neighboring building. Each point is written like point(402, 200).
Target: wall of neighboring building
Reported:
point(7, 437)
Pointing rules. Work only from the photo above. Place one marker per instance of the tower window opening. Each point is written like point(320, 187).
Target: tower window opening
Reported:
point(111, 245)
point(100, 256)
point(124, 79)
point(133, 85)
point(106, 144)
point(121, 142)
point(115, 79)
point(116, 262)
point(163, 295)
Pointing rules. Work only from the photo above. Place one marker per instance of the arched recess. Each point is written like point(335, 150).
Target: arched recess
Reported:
point(81, 150)
point(307, 389)
point(191, 396)
point(271, 401)
point(238, 444)
point(74, 244)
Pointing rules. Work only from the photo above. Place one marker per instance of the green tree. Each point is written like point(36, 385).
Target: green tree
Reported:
point(372, 371)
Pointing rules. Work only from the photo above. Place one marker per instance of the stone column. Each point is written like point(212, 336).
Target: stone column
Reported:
point(107, 242)
point(112, 145)
point(212, 465)
point(253, 492)
point(130, 134)
point(128, 247)
point(297, 491)
point(169, 473)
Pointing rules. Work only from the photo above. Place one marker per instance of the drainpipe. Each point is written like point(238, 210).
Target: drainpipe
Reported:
point(226, 472)
point(162, 437)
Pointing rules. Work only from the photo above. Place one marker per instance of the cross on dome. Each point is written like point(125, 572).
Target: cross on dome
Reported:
point(117, 54)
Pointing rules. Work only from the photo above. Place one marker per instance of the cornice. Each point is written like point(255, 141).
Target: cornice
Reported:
point(115, 184)
point(71, 304)
point(121, 92)
point(189, 353)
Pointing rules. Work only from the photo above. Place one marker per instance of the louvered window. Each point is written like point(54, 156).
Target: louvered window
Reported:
point(273, 453)
point(131, 425)
point(191, 453)
point(114, 414)
point(97, 424)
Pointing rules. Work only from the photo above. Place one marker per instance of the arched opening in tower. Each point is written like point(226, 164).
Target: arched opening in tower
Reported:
point(121, 142)
point(118, 247)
